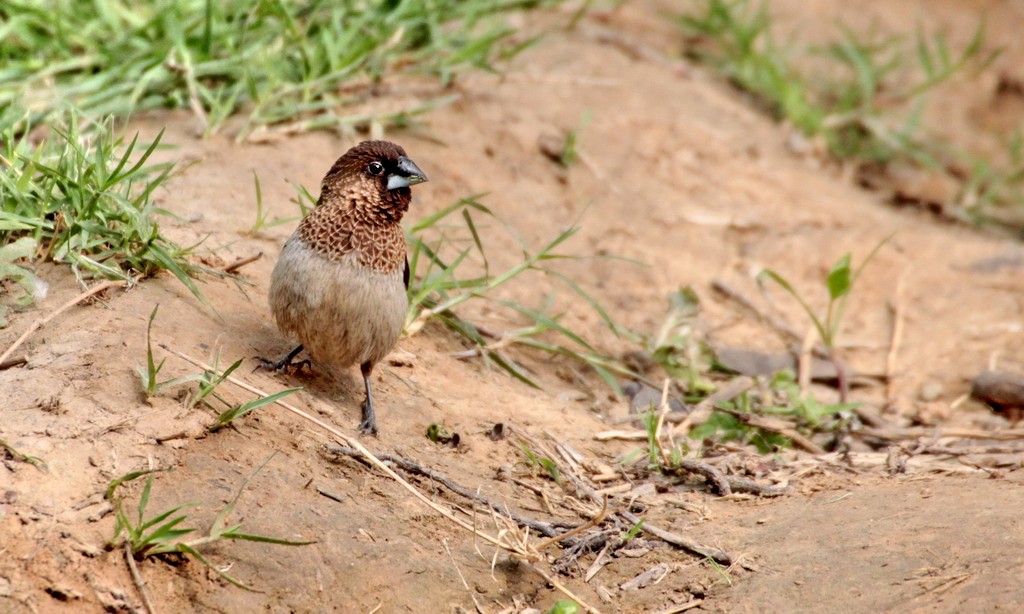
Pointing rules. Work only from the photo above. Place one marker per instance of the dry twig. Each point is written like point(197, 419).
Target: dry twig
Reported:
point(137, 578)
point(896, 307)
point(41, 322)
point(14, 362)
point(685, 543)
point(412, 467)
point(241, 262)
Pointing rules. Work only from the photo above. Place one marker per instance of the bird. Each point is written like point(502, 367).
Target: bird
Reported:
point(340, 284)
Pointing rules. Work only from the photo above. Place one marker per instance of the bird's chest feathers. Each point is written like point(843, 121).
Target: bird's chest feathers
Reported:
point(344, 235)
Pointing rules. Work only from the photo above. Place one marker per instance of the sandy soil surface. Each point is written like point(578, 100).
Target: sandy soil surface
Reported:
point(677, 172)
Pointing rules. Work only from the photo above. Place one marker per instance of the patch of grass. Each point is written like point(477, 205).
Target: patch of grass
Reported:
point(85, 198)
point(725, 427)
point(272, 60)
point(208, 381)
point(867, 105)
point(780, 398)
point(854, 113)
point(228, 412)
point(164, 533)
point(989, 188)
point(439, 286)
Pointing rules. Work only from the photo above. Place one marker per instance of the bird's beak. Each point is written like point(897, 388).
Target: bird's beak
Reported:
point(407, 174)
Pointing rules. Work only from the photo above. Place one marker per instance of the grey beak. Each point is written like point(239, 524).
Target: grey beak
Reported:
point(407, 174)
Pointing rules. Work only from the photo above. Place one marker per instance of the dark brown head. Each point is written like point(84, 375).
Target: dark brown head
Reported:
point(374, 178)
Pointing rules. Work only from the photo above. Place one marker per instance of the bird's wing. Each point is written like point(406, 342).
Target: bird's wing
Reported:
point(405, 273)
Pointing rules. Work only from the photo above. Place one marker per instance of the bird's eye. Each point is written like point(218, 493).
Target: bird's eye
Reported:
point(375, 168)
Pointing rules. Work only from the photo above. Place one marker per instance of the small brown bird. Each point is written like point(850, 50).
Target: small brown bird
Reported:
point(340, 283)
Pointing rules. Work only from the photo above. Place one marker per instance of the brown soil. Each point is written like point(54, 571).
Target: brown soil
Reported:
point(678, 172)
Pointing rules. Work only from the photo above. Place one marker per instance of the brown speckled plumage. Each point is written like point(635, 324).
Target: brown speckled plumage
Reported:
point(340, 283)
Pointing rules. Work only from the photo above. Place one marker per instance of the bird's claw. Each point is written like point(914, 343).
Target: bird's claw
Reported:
point(369, 424)
point(368, 427)
point(280, 366)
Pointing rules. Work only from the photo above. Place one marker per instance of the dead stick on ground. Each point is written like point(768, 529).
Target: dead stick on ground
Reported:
point(714, 477)
point(41, 322)
point(804, 362)
point(663, 408)
point(897, 335)
point(412, 467)
point(472, 593)
point(682, 542)
point(555, 583)
point(146, 604)
point(14, 362)
point(241, 262)
point(524, 554)
point(915, 432)
point(775, 426)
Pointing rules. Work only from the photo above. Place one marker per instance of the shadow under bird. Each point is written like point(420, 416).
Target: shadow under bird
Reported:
point(340, 283)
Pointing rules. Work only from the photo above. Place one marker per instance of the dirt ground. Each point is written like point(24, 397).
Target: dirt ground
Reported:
point(678, 172)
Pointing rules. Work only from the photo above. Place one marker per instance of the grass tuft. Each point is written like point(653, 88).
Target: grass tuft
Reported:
point(440, 286)
point(85, 197)
point(272, 60)
point(867, 106)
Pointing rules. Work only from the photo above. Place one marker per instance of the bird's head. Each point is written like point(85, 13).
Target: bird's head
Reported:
point(373, 177)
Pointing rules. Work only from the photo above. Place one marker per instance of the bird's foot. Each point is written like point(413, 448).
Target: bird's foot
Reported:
point(280, 366)
point(369, 424)
point(368, 427)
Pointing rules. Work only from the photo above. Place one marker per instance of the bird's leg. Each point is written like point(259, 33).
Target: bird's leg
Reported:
point(369, 423)
point(280, 365)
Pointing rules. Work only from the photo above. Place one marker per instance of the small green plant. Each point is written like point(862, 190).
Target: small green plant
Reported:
point(633, 531)
point(839, 283)
point(537, 461)
point(210, 380)
point(231, 414)
point(150, 374)
point(722, 573)
point(164, 534)
point(569, 153)
point(676, 348)
point(13, 453)
point(262, 216)
point(803, 408)
point(439, 286)
point(85, 197)
point(564, 607)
